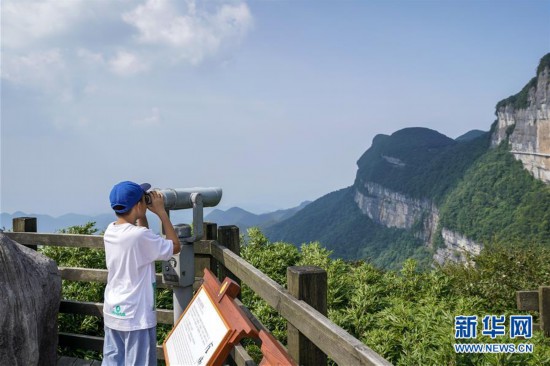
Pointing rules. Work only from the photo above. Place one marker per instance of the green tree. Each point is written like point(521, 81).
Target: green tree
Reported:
point(79, 291)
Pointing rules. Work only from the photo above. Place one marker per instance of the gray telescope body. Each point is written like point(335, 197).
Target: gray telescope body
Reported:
point(180, 198)
point(179, 271)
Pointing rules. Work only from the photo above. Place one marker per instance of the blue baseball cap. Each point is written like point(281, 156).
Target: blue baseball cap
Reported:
point(125, 195)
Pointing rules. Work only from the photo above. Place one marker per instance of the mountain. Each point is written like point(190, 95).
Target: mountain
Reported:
point(50, 224)
point(470, 135)
point(244, 219)
point(385, 216)
point(418, 193)
point(234, 216)
point(523, 120)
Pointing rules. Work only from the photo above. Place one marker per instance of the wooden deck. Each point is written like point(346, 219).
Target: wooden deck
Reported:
point(73, 361)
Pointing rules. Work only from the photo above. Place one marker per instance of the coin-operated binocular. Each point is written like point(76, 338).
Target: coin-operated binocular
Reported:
point(179, 271)
point(195, 198)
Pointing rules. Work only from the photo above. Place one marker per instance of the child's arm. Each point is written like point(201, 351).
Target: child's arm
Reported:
point(157, 207)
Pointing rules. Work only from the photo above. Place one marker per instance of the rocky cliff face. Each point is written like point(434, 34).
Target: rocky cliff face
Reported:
point(393, 209)
point(458, 248)
point(524, 121)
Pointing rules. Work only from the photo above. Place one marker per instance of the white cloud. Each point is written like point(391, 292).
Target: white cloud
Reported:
point(195, 34)
point(89, 57)
point(26, 21)
point(126, 63)
point(53, 46)
point(35, 68)
point(154, 119)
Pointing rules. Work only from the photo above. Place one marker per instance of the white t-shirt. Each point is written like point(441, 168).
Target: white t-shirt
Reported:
point(130, 253)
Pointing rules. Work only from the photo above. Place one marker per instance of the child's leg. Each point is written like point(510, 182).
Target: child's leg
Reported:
point(113, 348)
point(141, 347)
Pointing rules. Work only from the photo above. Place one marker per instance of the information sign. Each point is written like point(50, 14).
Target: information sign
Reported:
point(199, 333)
point(211, 326)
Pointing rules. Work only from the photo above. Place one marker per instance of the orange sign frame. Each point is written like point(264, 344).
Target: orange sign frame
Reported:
point(237, 324)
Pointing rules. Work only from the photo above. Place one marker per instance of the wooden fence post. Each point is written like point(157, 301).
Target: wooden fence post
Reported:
point(307, 283)
point(544, 309)
point(228, 236)
point(537, 301)
point(210, 231)
point(25, 225)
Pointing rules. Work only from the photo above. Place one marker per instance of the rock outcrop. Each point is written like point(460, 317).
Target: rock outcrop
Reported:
point(394, 209)
point(30, 285)
point(458, 248)
point(524, 120)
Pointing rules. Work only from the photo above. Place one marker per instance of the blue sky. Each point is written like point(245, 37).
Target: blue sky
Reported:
point(274, 101)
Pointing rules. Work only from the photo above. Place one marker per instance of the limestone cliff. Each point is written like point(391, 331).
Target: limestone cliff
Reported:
point(441, 192)
point(394, 209)
point(523, 119)
point(458, 248)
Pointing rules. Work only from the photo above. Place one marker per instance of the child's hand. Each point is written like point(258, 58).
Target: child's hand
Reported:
point(157, 202)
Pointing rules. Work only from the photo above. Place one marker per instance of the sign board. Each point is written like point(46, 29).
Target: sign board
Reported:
point(198, 335)
point(212, 324)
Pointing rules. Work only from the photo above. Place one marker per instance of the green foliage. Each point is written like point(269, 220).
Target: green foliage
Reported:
point(339, 225)
point(521, 99)
point(79, 291)
point(544, 63)
point(501, 270)
point(498, 199)
point(273, 258)
point(407, 316)
point(432, 164)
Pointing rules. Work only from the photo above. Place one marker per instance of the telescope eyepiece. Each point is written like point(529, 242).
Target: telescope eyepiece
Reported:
point(148, 199)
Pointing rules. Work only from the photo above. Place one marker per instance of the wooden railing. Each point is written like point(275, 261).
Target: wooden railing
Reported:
point(537, 300)
point(311, 335)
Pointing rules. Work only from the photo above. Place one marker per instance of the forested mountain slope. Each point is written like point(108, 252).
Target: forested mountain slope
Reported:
point(421, 194)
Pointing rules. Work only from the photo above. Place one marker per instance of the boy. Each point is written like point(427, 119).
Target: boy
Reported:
point(131, 250)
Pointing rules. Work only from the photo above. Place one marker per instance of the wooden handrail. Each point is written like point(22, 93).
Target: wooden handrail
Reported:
point(58, 240)
point(164, 316)
point(81, 241)
point(338, 344)
point(96, 275)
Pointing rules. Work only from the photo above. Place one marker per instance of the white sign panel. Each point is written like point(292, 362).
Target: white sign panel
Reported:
point(197, 335)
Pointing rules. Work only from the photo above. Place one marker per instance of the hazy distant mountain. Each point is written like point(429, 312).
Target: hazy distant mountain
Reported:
point(234, 216)
point(470, 135)
point(49, 224)
point(245, 219)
